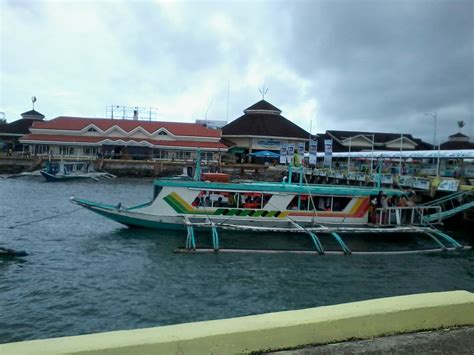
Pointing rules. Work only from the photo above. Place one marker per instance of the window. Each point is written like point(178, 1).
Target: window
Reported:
point(320, 203)
point(339, 203)
point(90, 151)
point(42, 149)
point(251, 200)
point(66, 150)
point(206, 156)
point(216, 199)
point(183, 155)
point(299, 202)
point(92, 129)
point(162, 133)
point(160, 154)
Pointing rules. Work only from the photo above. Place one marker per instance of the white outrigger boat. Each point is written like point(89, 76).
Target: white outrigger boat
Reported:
point(64, 170)
point(273, 207)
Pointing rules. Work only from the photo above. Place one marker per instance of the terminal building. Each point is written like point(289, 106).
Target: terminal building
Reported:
point(120, 138)
point(356, 141)
point(262, 127)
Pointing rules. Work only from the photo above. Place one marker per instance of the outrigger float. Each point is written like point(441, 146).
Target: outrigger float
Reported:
point(285, 207)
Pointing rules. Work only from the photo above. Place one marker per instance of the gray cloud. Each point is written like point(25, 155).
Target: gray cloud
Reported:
point(361, 65)
point(388, 62)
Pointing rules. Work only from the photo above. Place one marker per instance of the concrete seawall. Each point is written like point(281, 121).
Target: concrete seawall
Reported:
point(272, 331)
point(141, 168)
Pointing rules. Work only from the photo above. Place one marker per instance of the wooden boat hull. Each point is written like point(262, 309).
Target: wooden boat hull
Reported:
point(133, 217)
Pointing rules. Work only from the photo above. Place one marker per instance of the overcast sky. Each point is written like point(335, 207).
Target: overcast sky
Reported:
point(346, 65)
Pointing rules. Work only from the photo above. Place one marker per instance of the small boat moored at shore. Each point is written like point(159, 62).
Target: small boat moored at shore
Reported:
point(61, 171)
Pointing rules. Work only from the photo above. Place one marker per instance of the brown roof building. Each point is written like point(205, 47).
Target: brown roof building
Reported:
point(457, 141)
point(262, 127)
point(10, 133)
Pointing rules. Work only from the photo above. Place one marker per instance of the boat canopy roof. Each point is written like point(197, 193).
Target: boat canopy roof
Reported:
point(460, 153)
point(268, 187)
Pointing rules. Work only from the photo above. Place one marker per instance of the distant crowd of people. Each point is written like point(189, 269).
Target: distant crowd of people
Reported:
point(380, 203)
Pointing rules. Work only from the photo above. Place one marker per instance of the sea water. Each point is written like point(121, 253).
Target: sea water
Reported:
point(87, 274)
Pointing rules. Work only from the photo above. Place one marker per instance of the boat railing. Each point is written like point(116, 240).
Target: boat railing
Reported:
point(416, 215)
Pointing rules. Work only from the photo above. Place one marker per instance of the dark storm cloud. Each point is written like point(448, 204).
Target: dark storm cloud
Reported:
point(360, 65)
point(386, 60)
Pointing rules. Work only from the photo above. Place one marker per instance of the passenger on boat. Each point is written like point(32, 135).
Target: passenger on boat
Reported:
point(402, 202)
point(411, 202)
point(321, 204)
point(377, 201)
point(384, 205)
point(218, 203)
point(372, 216)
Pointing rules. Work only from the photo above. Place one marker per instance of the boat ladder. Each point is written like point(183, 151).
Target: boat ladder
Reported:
point(450, 205)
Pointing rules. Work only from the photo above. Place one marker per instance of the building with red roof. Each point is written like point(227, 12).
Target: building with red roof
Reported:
point(10, 133)
point(90, 137)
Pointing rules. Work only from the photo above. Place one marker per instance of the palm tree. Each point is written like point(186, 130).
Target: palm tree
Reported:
point(461, 124)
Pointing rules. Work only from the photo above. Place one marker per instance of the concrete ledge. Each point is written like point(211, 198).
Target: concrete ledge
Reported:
point(272, 331)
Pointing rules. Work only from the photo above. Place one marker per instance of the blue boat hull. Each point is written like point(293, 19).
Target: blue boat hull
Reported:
point(53, 178)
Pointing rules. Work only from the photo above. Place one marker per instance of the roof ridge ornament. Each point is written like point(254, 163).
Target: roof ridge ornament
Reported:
point(263, 91)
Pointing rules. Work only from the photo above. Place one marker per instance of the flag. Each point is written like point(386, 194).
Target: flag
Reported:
point(290, 153)
point(283, 154)
point(301, 148)
point(327, 153)
point(313, 152)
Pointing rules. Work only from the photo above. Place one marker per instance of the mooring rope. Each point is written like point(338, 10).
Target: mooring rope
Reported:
point(42, 219)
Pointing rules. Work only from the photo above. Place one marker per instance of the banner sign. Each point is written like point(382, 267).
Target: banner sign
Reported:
point(387, 179)
point(283, 154)
point(422, 184)
point(406, 180)
point(327, 152)
point(301, 149)
point(449, 185)
point(290, 153)
point(336, 174)
point(268, 144)
point(313, 152)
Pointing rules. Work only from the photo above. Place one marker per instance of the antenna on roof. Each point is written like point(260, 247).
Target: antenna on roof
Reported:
point(33, 100)
point(208, 108)
point(263, 91)
point(228, 93)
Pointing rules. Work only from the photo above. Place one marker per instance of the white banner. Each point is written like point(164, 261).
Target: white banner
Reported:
point(327, 153)
point(449, 185)
point(301, 149)
point(313, 152)
point(420, 183)
point(283, 154)
point(290, 153)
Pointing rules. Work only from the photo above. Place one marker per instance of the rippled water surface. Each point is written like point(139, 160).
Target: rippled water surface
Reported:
point(86, 274)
